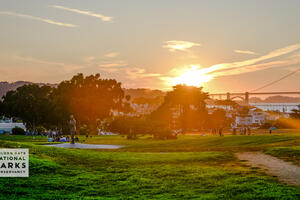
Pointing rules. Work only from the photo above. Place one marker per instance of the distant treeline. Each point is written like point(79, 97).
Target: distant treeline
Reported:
point(134, 93)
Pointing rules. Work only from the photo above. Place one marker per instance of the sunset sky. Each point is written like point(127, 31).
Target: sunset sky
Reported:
point(222, 45)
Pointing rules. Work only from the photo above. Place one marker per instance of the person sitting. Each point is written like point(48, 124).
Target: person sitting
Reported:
point(67, 139)
point(76, 139)
point(50, 139)
point(63, 139)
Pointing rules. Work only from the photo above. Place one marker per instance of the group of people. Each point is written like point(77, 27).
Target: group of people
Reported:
point(214, 131)
point(243, 131)
point(54, 136)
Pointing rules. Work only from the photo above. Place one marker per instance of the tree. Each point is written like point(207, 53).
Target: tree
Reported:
point(134, 126)
point(126, 105)
point(1, 108)
point(219, 120)
point(18, 131)
point(90, 98)
point(296, 113)
point(186, 100)
point(30, 103)
point(227, 103)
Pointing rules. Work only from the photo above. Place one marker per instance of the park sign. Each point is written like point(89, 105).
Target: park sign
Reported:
point(14, 162)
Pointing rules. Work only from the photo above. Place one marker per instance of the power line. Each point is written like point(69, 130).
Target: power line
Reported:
point(276, 81)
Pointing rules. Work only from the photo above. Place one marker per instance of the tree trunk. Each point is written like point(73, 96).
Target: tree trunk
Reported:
point(93, 127)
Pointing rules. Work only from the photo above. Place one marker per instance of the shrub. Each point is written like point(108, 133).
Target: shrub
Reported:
point(267, 125)
point(288, 123)
point(40, 129)
point(18, 131)
point(133, 126)
point(84, 130)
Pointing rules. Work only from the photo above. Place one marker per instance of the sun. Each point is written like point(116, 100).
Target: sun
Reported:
point(191, 76)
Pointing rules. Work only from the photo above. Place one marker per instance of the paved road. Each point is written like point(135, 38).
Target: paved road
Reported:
point(285, 171)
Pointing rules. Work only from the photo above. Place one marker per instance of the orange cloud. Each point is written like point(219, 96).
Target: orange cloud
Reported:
point(176, 45)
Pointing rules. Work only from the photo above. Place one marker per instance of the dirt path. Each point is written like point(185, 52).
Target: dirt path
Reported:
point(285, 171)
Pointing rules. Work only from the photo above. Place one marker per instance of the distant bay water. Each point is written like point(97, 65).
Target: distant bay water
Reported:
point(282, 107)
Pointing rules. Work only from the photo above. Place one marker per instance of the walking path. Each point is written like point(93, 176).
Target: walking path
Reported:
point(285, 171)
point(85, 146)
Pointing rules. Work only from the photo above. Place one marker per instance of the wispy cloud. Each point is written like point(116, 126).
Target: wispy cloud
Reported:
point(227, 68)
point(111, 55)
point(176, 45)
point(84, 12)
point(49, 21)
point(113, 64)
point(244, 52)
point(135, 73)
point(277, 58)
point(130, 76)
point(67, 68)
point(89, 59)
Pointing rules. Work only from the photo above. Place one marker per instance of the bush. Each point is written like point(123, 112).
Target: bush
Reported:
point(84, 130)
point(267, 125)
point(133, 126)
point(40, 129)
point(18, 131)
point(287, 123)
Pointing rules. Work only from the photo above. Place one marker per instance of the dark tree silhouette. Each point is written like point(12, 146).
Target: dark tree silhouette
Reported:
point(186, 100)
point(296, 113)
point(90, 98)
point(30, 103)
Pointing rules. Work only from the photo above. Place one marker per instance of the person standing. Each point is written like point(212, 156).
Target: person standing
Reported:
point(234, 131)
point(249, 130)
point(72, 128)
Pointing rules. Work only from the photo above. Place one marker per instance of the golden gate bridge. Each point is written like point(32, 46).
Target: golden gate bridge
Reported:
point(244, 96)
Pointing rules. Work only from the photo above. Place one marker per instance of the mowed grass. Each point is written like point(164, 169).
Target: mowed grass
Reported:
point(195, 143)
point(291, 154)
point(192, 167)
point(84, 174)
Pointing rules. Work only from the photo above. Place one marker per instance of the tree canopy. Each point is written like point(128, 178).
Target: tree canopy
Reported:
point(31, 103)
point(88, 98)
point(188, 102)
point(296, 113)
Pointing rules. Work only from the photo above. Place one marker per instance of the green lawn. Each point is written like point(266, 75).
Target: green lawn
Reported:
point(192, 167)
point(291, 153)
point(191, 143)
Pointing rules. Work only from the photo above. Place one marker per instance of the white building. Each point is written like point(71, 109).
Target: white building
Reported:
point(258, 117)
point(254, 117)
point(5, 120)
point(7, 127)
point(243, 120)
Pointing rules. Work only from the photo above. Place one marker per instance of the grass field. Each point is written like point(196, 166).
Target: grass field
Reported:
point(191, 167)
point(290, 153)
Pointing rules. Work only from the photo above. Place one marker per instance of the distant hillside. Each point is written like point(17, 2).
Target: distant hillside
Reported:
point(144, 93)
point(134, 93)
point(276, 99)
point(148, 93)
point(6, 86)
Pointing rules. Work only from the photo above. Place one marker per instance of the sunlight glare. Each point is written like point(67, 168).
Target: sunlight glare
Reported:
point(192, 76)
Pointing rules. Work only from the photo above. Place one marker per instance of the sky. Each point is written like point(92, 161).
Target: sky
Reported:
point(221, 45)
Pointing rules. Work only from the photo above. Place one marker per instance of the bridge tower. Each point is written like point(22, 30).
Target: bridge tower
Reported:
point(228, 96)
point(247, 97)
